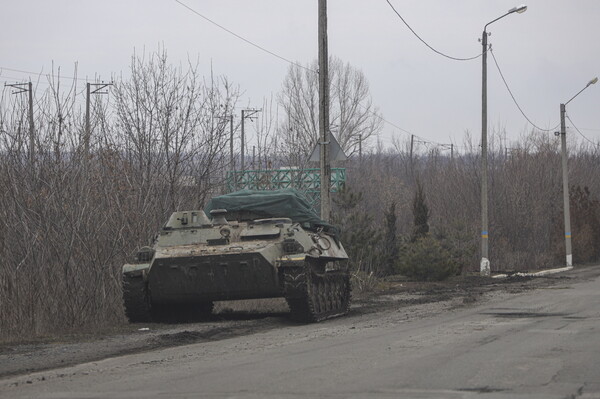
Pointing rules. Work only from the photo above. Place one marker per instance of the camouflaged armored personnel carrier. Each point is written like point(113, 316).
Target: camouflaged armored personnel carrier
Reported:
point(256, 244)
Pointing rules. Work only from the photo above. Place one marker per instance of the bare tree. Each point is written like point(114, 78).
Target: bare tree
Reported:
point(266, 138)
point(174, 128)
point(69, 221)
point(353, 115)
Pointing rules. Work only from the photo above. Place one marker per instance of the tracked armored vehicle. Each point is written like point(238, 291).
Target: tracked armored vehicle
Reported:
point(256, 244)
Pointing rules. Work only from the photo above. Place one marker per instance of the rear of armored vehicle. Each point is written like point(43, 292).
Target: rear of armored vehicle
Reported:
point(235, 255)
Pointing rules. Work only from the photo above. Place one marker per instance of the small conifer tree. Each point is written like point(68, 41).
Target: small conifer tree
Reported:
point(391, 249)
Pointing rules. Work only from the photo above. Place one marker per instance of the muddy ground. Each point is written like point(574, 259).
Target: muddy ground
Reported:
point(415, 299)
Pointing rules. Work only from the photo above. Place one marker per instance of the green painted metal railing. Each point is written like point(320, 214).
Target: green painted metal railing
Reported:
point(305, 180)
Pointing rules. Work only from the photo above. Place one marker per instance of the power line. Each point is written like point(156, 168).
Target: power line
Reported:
point(306, 68)
point(384, 120)
point(281, 58)
point(394, 125)
point(7, 79)
point(427, 44)
point(515, 100)
point(242, 38)
point(41, 73)
point(581, 134)
point(421, 139)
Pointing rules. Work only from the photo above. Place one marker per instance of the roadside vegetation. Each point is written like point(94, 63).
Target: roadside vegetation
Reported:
point(73, 208)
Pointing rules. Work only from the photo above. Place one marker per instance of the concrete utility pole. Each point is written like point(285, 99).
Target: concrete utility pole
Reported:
point(565, 173)
point(31, 126)
point(243, 144)
point(231, 164)
point(484, 266)
point(88, 133)
point(246, 114)
point(324, 112)
point(97, 90)
point(228, 119)
point(412, 145)
point(360, 149)
point(21, 89)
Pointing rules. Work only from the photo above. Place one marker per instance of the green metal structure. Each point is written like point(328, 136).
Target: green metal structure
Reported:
point(305, 180)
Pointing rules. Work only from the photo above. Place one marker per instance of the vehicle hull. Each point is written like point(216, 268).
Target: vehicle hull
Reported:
point(213, 278)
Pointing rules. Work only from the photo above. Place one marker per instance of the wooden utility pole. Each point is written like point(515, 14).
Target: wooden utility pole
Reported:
point(324, 112)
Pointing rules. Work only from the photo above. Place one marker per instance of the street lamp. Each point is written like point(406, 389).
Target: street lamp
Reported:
point(485, 262)
point(565, 174)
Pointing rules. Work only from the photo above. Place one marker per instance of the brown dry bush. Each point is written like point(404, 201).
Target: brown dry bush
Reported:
point(525, 199)
point(69, 219)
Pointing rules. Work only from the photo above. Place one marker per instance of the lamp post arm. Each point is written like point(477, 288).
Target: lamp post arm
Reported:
point(577, 94)
point(491, 22)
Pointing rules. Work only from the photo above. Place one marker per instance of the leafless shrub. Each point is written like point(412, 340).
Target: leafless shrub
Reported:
point(525, 197)
point(68, 220)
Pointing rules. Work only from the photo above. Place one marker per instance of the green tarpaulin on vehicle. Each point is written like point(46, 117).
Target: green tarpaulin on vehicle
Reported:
point(254, 204)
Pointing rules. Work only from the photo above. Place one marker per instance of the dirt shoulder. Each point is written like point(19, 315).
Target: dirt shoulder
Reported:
point(414, 300)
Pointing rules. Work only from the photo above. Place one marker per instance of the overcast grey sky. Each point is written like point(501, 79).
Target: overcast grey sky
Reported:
point(547, 53)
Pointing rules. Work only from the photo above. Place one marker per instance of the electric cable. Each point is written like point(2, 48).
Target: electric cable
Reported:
point(242, 38)
point(312, 70)
point(419, 138)
point(41, 73)
point(8, 80)
point(286, 60)
point(427, 44)
point(515, 100)
point(581, 134)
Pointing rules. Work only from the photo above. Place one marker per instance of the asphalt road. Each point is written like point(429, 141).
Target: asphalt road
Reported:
point(543, 343)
